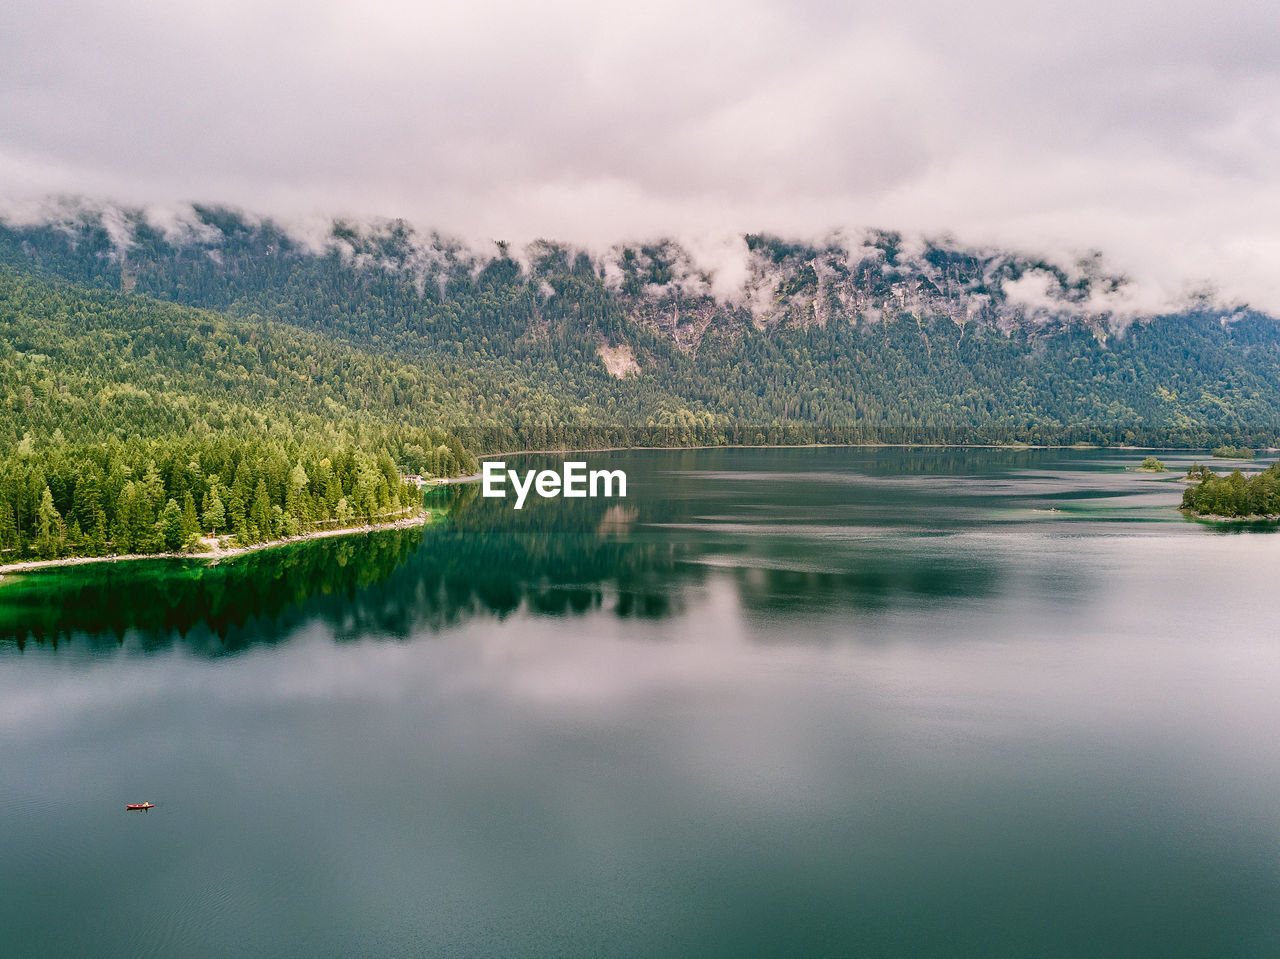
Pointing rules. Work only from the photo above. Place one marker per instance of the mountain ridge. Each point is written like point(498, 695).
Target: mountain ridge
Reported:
point(896, 341)
point(765, 277)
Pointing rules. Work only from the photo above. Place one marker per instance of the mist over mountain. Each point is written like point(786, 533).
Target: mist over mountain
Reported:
point(878, 337)
point(764, 278)
point(1039, 127)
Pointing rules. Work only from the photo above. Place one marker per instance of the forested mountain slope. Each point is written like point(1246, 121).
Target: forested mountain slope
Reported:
point(128, 424)
point(879, 340)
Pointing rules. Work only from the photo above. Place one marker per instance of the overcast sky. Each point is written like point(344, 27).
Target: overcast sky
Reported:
point(1150, 131)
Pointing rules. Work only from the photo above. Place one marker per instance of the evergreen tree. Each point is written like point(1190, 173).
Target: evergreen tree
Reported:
point(126, 533)
point(260, 513)
point(88, 500)
point(8, 528)
point(190, 522)
point(169, 526)
point(49, 534)
point(215, 517)
point(295, 499)
point(153, 488)
point(97, 542)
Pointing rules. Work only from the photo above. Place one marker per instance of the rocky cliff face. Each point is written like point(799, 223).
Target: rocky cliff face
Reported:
point(780, 283)
point(679, 291)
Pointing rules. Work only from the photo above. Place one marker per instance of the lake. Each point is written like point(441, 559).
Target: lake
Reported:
point(819, 702)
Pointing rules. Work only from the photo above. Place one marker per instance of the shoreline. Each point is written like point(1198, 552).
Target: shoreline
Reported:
point(218, 553)
point(1016, 447)
point(1215, 518)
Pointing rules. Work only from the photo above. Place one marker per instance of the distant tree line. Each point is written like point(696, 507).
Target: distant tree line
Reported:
point(1232, 452)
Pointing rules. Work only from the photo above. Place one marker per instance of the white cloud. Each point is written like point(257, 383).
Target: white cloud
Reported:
point(1044, 127)
point(178, 223)
point(725, 259)
point(1036, 291)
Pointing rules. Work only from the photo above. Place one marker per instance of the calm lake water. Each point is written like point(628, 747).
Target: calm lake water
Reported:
point(803, 702)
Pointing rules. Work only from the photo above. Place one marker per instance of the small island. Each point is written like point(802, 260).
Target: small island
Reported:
point(1232, 453)
point(1152, 465)
point(1234, 496)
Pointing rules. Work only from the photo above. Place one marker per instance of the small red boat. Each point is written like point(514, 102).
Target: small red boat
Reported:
point(141, 805)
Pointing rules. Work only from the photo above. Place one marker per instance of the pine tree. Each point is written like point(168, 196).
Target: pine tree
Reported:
point(190, 522)
point(49, 532)
point(367, 488)
point(169, 526)
point(124, 535)
point(88, 501)
point(97, 544)
point(260, 512)
point(153, 488)
point(238, 516)
point(215, 516)
point(295, 501)
point(8, 528)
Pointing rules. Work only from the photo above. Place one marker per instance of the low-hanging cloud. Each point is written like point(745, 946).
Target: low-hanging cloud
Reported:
point(1152, 134)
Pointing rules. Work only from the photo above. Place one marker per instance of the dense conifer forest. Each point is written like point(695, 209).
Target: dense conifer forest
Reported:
point(551, 346)
point(217, 373)
point(128, 425)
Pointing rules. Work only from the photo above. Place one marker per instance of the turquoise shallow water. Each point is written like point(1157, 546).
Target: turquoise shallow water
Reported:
point(776, 702)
